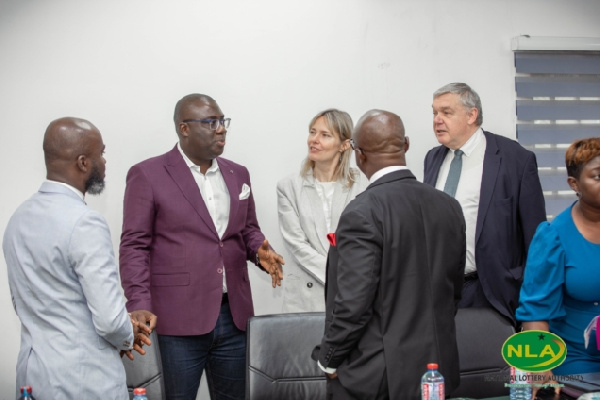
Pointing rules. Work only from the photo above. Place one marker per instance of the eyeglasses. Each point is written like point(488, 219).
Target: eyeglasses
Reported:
point(354, 146)
point(214, 123)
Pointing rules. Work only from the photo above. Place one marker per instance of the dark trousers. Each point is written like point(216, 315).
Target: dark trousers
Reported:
point(221, 352)
point(472, 294)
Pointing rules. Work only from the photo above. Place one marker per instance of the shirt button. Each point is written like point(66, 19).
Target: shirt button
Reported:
point(221, 244)
point(220, 270)
point(309, 284)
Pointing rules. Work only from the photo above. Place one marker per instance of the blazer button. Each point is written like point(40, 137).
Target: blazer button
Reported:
point(220, 270)
point(309, 284)
point(221, 244)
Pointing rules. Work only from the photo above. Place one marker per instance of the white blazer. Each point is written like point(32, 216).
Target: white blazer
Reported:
point(304, 229)
point(66, 291)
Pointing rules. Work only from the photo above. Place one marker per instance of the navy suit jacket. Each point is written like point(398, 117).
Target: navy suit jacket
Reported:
point(511, 206)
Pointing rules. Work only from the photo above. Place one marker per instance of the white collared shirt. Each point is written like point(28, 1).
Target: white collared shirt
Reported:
point(325, 191)
point(469, 187)
point(385, 171)
point(215, 195)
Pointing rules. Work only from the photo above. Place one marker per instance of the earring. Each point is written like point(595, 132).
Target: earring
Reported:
point(578, 194)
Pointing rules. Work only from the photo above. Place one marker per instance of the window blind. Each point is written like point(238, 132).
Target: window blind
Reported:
point(558, 101)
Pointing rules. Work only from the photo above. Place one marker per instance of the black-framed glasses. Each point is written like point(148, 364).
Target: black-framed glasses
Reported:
point(354, 146)
point(213, 123)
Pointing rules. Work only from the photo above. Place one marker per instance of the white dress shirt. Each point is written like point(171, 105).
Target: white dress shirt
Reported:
point(385, 171)
point(325, 191)
point(469, 187)
point(215, 195)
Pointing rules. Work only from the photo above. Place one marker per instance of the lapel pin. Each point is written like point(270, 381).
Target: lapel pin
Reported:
point(231, 171)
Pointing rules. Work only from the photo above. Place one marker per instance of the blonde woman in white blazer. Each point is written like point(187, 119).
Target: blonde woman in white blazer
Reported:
point(309, 206)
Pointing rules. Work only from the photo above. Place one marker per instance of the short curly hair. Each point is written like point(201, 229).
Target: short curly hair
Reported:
point(579, 153)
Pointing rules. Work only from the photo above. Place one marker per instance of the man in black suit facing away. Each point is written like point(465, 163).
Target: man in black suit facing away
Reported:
point(497, 184)
point(394, 276)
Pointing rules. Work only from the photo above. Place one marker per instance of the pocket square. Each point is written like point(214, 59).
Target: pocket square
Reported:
point(245, 193)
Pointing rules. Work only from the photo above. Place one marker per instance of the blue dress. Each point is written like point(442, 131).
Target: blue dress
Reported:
point(562, 286)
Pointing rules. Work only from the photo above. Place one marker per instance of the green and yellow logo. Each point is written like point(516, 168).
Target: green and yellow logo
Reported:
point(534, 351)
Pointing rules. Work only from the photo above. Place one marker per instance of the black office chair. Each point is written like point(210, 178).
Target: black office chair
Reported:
point(146, 371)
point(480, 334)
point(278, 357)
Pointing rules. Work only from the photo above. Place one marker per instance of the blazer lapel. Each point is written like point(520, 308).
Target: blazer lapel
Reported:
point(230, 178)
point(491, 167)
point(316, 205)
point(433, 171)
point(181, 174)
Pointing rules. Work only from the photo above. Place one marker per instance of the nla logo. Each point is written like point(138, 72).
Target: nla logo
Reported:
point(534, 351)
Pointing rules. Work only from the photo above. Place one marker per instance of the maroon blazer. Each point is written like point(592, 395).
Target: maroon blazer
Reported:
point(171, 257)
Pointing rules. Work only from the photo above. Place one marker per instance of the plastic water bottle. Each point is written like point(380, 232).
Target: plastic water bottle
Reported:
point(139, 394)
point(26, 393)
point(432, 384)
point(522, 389)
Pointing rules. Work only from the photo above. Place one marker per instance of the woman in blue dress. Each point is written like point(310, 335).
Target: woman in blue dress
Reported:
point(561, 286)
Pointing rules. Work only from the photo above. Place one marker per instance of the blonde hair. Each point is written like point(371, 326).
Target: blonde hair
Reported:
point(340, 123)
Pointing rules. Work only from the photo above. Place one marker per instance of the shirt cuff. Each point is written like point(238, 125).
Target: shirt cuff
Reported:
point(326, 370)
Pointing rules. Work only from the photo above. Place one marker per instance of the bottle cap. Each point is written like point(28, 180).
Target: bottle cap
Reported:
point(432, 366)
point(139, 391)
point(26, 389)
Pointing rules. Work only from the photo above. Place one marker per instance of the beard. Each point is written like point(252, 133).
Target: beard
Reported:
point(95, 183)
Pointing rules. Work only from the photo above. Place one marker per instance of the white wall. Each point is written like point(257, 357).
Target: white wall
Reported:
point(270, 64)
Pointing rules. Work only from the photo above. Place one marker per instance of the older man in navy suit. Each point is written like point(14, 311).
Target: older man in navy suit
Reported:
point(497, 184)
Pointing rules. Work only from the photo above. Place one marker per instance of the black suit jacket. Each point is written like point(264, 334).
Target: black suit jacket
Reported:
point(511, 206)
point(393, 282)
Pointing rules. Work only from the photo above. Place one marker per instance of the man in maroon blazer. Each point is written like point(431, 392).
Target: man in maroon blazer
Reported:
point(189, 227)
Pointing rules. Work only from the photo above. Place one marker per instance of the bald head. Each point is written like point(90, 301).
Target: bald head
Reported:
point(187, 101)
point(380, 136)
point(72, 146)
point(66, 138)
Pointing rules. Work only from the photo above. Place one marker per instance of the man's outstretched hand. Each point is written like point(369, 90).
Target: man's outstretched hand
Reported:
point(271, 262)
